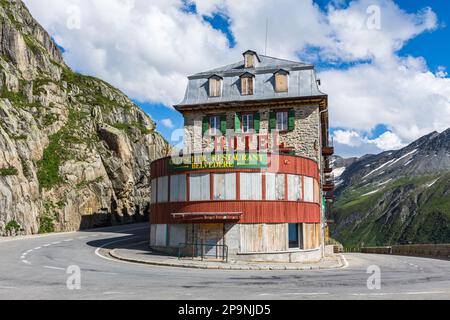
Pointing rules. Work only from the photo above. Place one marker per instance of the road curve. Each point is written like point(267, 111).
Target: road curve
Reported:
point(35, 268)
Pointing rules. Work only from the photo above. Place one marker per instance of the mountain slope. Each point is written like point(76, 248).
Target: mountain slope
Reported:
point(397, 196)
point(74, 151)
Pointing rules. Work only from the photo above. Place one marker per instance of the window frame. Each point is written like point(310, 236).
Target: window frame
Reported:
point(217, 81)
point(213, 130)
point(250, 88)
point(252, 127)
point(300, 237)
point(286, 119)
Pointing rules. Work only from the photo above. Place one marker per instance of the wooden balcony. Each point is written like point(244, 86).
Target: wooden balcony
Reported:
point(327, 151)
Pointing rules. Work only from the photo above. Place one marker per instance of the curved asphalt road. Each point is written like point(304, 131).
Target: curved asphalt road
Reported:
point(35, 268)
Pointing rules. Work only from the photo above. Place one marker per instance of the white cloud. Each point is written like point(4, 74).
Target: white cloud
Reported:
point(167, 123)
point(147, 48)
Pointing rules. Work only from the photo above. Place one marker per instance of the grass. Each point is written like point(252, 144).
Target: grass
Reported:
point(9, 171)
point(128, 127)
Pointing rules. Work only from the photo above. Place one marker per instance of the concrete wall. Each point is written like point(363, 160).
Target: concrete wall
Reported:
point(420, 250)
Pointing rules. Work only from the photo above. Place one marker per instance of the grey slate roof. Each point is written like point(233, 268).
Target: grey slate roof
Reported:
point(302, 82)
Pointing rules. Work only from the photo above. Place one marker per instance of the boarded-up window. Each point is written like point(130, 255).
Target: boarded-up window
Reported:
point(294, 187)
point(275, 186)
point(178, 188)
point(225, 186)
point(247, 83)
point(163, 189)
point(312, 235)
point(215, 87)
point(252, 238)
point(309, 189)
point(161, 235)
point(154, 191)
point(316, 191)
point(281, 82)
point(249, 60)
point(177, 234)
point(199, 187)
point(251, 186)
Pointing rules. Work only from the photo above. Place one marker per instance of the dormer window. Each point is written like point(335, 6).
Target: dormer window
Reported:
point(251, 59)
point(281, 80)
point(247, 84)
point(215, 86)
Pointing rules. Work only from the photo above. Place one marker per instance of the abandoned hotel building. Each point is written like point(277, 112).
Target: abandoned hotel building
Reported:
point(255, 176)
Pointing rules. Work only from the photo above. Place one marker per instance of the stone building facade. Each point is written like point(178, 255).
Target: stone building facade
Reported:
point(251, 182)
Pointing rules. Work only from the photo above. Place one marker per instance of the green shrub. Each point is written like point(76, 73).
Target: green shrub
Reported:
point(13, 226)
point(46, 224)
point(10, 171)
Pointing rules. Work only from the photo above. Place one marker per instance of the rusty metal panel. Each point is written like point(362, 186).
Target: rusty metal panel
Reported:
point(153, 191)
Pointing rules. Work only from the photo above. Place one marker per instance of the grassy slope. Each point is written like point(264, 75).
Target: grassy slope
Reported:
point(404, 211)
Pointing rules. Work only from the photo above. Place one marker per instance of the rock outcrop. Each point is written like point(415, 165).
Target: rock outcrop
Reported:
point(75, 152)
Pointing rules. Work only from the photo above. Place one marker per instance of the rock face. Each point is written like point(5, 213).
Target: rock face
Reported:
point(396, 197)
point(74, 151)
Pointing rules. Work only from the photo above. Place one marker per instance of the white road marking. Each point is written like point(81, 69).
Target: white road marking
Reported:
point(38, 248)
point(56, 242)
point(81, 238)
point(3, 287)
point(54, 268)
point(26, 262)
point(68, 240)
point(97, 251)
point(47, 245)
point(430, 292)
point(397, 293)
point(344, 260)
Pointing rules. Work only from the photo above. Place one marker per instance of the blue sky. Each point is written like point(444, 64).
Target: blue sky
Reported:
point(433, 46)
point(387, 85)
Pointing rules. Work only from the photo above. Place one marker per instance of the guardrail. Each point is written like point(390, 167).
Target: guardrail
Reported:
point(420, 250)
point(204, 251)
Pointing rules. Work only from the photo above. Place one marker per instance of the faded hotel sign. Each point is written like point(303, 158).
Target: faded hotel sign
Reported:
point(219, 161)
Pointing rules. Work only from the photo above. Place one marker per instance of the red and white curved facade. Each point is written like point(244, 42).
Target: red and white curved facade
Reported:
point(253, 220)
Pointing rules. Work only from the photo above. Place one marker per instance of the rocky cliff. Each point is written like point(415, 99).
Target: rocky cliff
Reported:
point(74, 151)
point(396, 197)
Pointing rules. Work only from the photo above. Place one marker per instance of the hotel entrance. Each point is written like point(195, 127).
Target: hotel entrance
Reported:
point(208, 239)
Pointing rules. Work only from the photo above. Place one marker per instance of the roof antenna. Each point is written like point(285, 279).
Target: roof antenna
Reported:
point(267, 32)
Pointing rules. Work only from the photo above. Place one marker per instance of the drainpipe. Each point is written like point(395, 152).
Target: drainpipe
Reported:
point(322, 179)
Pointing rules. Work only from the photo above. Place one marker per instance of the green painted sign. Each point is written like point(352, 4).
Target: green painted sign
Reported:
point(219, 161)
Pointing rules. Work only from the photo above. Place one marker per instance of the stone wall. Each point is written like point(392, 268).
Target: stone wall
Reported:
point(305, 139)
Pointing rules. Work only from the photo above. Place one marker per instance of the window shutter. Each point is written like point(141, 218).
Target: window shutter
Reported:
point(223, 124)
point(272, 121)
point(291, 121)
point(237, 123)
point(257, 122)
point(205, 125)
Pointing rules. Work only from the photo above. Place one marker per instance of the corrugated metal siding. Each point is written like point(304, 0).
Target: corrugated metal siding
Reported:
point(277, 164)
point(253, 211)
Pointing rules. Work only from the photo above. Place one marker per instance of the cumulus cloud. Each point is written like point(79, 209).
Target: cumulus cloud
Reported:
point(167, 123)
point(353, 143)
point(147, 48)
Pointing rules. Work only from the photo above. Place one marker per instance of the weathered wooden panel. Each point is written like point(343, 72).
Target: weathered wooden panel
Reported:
point(316, 191)
point(294, 187)
point(275, 187)
point(225, 186)
point(252, 238)
point(177, 234)
point(178, 188)
point(308, 189)
point(161, 235)
point(199, 189)
point(163, 189)
point(276, 237)
point(251, 186)
point(311, 235)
